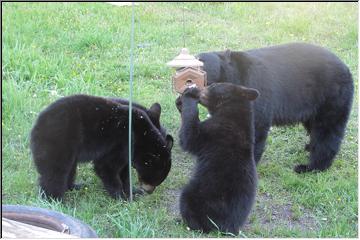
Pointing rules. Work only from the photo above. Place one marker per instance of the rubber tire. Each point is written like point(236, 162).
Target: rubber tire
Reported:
point(76, 227)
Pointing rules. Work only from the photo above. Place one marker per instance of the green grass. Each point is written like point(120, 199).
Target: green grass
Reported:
point(57, 49)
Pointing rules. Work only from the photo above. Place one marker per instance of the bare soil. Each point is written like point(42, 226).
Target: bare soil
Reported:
point(266, 212)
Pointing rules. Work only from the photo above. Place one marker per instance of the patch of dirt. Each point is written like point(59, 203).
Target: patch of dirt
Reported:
point(266, 212)
point(271, 215)
point(182, 167)
point(173, 203)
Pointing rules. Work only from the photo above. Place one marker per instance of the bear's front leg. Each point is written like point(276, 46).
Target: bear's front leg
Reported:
point(108, 168)
point(125, 178)
point(178, 104)
point(111, 181)
point(190, 123)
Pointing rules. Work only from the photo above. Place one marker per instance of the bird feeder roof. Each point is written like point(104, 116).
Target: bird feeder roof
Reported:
point(184, 59)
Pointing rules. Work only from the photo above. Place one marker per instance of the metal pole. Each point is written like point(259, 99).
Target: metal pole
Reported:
point(130, 98)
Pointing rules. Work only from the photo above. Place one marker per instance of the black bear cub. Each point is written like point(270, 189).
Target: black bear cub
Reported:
point(82, 128)
point(222, 188)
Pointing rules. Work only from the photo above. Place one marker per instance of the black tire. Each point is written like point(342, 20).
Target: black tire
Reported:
point(48, 219)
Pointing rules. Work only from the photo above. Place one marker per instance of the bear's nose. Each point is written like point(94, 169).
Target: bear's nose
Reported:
point(204, 100)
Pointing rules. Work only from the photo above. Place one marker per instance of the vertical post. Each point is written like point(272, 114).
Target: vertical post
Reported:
point(130, 98)
point(183, 22)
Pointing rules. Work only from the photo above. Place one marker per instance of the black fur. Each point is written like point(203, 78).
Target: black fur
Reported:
point(153, 112)
point(299, 83)
point(223, 185)
point(84, 128)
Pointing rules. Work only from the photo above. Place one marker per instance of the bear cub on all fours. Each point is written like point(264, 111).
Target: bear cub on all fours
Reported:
point(83, 128)
point(222, 188)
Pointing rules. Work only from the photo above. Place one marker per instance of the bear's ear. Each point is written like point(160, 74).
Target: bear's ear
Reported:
point(169, 142)
point(248, 93)
point(227, 53)
point(227, 56)
point(155, 111)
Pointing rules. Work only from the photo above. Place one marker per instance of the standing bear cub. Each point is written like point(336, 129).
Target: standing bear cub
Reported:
point(299, 83)
point(82, 128)
point(222, 188)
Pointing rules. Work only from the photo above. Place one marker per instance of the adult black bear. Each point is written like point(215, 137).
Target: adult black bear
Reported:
point(222, 188)
point(82, 128)
point(298, 83)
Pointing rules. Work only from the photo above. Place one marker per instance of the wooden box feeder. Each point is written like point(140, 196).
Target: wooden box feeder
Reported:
point(188, 72)
point(185, 77)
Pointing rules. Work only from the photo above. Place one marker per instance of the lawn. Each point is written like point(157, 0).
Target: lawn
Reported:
point(51, 50)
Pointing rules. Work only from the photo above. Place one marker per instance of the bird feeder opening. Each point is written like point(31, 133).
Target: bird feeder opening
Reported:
point(188, 71)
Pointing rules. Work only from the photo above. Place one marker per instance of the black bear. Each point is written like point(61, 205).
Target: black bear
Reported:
point(153, 112)
point(298, 83)
point(82, 128)
point(222, 188)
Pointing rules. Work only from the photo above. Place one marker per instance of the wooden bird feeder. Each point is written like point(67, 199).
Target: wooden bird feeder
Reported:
point(188, 72)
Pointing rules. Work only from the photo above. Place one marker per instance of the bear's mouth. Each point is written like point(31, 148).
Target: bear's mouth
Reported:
point(204, 99)
point(147, 188)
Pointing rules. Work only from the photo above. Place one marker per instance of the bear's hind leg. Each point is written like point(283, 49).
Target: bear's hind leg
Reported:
point(53, 174)
point(53, 181)
point(307, 126)
point(192, 212)
point(327, 131)
point(53, 186)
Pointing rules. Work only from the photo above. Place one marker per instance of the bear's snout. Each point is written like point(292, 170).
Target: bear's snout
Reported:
point(147, 188)
point(204, 99)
